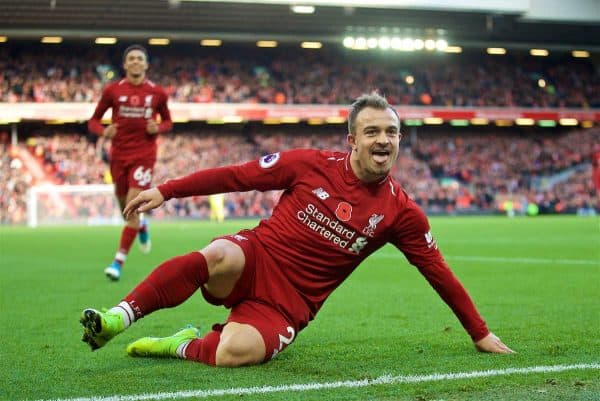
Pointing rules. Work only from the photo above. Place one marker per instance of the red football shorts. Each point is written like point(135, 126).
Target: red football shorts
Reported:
point(132, 174)
point(263, 298)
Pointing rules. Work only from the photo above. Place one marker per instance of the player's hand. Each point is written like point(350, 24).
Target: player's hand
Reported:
point(491, 343)
point(152, 127)
point(110, 131)
point(144, 201)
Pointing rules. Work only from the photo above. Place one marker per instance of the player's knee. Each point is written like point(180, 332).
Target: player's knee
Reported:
point(133, 220)
point(235, 353)
point(223, 258)
point(214, 254)
point(240, 348)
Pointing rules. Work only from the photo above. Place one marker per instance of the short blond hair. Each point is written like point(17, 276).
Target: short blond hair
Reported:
point(373, 100)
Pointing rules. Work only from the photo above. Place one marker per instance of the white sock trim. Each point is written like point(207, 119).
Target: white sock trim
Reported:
point(126, 312)
point(182, 348)
point(121, 256)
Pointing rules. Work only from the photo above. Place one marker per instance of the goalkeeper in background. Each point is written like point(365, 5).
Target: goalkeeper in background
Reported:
point(136, 102)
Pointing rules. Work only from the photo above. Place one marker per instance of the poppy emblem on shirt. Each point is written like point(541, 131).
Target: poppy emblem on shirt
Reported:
point(344, 211)
point(135, 100)
point(269, 161)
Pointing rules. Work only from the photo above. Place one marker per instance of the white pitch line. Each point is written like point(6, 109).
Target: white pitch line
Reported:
point(382, 380)
point(497, 259)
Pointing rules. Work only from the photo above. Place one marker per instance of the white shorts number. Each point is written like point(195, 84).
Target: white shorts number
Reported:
point(143, 177)
point(283, 341)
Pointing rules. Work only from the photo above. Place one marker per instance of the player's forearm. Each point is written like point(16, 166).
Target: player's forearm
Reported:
point(95, 126)
point(456, 297)
point(204, 182)
point(165, 126)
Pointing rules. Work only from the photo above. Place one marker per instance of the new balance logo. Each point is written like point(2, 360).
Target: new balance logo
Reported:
point(122, 99)
point(321, 194)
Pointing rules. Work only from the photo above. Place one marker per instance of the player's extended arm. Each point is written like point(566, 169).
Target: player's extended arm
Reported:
point(144, 201)
point(421, 250)
point(95, 123)
point(166, 124)
point(271, 172)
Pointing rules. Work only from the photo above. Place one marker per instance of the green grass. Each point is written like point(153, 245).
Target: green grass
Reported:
point(535, 281)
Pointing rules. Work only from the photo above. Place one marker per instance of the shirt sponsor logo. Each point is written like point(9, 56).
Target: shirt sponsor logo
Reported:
point(131, 112)
point(269, 161)
point(373, 221)
point(358, 245)
point(328, 228)
point(331, 229)
point(321, 193)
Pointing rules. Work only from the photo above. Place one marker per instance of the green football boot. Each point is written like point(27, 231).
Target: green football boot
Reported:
point(100, 327)
point(163, 347)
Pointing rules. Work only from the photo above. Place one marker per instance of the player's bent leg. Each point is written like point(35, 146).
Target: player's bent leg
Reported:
point(240, 345)
point(128, 234)
point(138, 222)
point(144, 235)
point(134, 220)
point(226, 263)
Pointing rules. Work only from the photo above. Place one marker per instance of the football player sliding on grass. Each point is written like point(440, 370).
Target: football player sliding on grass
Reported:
point(337, 208)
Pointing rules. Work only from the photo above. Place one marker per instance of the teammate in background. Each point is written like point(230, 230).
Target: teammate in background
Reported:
point(135, 102)
point(337, 209)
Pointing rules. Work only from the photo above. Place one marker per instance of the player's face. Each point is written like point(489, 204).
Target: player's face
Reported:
point(375, 143)
point(135, 64)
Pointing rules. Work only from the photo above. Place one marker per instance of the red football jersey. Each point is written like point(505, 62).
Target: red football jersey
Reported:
point(132, 107)
point(328, 221)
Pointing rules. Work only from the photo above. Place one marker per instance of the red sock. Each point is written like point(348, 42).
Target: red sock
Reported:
point(204, 349)
point(127, 237)
point(169, 284)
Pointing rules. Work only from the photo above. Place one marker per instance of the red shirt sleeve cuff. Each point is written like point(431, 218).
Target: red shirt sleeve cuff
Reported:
point(165, 191)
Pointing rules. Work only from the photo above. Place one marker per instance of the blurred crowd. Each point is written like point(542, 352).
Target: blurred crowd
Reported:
point(295, 76)
point(445, 172)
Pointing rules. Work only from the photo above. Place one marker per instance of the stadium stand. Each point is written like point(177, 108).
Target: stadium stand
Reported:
point(446, 173)
point(238, 75)
point(446, 169)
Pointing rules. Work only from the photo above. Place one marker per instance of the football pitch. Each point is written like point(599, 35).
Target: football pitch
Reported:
point(383, 335)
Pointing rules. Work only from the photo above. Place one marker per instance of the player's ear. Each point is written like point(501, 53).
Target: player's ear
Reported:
point(351, 141)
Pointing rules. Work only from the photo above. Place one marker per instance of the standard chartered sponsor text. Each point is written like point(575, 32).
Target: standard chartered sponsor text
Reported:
point(131, 112)
point(330, 229)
